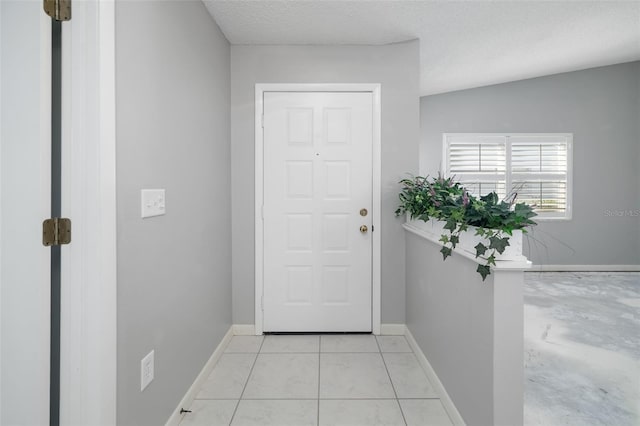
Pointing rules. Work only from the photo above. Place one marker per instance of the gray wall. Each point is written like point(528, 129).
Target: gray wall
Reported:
point(396, 68)
point(443, 309)
point(174, 274)
point(600, 106)
point(470, 331)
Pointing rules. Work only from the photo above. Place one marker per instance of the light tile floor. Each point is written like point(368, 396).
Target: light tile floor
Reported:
point(351, 380)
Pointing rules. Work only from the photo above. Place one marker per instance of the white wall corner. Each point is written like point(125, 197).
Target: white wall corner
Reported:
point(176, 416)
point(445, 399)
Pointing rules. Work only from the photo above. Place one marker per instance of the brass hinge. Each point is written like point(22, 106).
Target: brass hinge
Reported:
point(56, 231)
point(60, 10)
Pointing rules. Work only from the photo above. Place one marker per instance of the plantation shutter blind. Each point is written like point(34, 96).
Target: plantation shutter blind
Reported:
point(478, 163)
point(534, 167)
point(539, 172)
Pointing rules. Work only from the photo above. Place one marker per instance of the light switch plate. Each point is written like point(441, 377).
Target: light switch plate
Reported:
point(146, 370)
point(152, 202)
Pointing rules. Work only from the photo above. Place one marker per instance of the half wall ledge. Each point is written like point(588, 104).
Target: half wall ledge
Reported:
point(472, 332)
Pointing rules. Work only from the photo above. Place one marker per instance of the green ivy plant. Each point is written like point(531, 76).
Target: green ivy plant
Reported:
point(446, 200)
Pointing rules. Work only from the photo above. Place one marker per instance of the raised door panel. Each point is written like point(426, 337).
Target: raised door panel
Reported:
point(317, 178)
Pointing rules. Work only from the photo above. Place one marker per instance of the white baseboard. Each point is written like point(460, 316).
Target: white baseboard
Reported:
point(585, 268)
point(392, 329)
point(244, 330)
point(451, 409)
point(186, 402)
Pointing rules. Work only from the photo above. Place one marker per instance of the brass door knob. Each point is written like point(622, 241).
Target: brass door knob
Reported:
point(364, 229)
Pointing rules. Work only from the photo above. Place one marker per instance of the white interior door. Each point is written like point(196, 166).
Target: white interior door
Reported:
point(25, 188)
point(317, 211)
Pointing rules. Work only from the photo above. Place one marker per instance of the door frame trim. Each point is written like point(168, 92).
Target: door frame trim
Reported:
point(89, 269)
point(375, 90)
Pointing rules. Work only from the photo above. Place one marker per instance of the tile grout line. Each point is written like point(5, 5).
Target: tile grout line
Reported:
point(247, 381)
point(391, 380)
point(318, 399)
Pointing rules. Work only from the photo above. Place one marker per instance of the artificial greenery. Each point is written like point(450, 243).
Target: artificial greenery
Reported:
point(444, 199)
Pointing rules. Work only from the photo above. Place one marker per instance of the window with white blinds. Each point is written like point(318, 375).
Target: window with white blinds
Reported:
point(534, 167)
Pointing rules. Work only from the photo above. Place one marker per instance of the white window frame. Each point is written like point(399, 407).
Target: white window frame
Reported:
point(568, 137)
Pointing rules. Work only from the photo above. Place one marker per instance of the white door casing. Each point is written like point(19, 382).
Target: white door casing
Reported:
point(317, 166)
point(88, 327)
point(88, 352)
point(88, 269)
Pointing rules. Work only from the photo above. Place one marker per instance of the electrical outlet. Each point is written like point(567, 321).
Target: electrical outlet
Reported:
point(146, 370)
point(152, 202)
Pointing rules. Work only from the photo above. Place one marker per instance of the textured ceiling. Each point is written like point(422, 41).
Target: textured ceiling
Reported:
point(463, 44)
